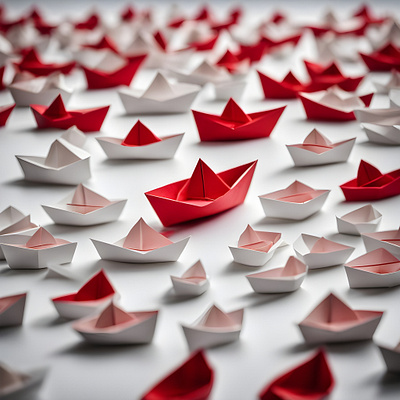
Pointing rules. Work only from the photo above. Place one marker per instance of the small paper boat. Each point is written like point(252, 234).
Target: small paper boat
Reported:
point(255, 248)
point(386, 58)
point(214, 328)
point(392, 83)
point(383, 134)
point(333, 321)
point(377, 268)
point(74, 136)
point(193, 380)
point(230, 89)
point(364, 219)
point(115, 326)
point(84, 207)
point(279, 280)
point(317, 149)
point(39, 250)
point(5, 112)
point(64, 164)
point(193, 282)
point(161, 97)
point(371, 184)
point(12, 310)
point(383, 116)
point(389, 240)
point(391, 356)
point(141, 143)
point(318, 252)
point(311, 379)
point(235, 124)
point(91, 298)
point(143, 244)
point(298, 201)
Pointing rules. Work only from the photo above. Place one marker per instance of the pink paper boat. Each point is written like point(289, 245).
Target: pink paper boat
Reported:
point(193, 282)
point(362, 220)
point(12, 310)
point(389, 240)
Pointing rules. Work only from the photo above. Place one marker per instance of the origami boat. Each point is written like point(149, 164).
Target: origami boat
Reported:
point(235, 124)
point(5, 112)
point(214, 328)
point(311, 379)
point(357, 222)
point(115, 326)
point(279, 280)
point(318, 252)
point(377, 268)
point(298, 201)
point(383, 116)
point(333, 321)
point(371, 184)
point(391, 356)
point(204, 194)
point(193, 282)
point(255, 248)
point(193, 380)
point(12, 310)
point(85, 207)
point(392, 83)
point(386, 58)
point(141, 143)
point(95, 295)
point(161, 97)
point(143, 244)
point(389, 240)
point(56, 116)
point(382, 134)
point(317, 149)
point(64, 164)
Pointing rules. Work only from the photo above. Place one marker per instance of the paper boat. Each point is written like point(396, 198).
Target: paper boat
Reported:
point(386, 58)
point(389, 240)
point(230, 89)
point(64, 164)
point(84, 207)
point(318, 252)
point(364, 219)
point(333, 321)
point(311, 379)
point(91, 298)
point(233, 64)
point(205, 193)
point(391, 356)
point(371, 184)
point(377, 268)
point(383, 116)
point(214, 328)
point(193, 380)
point(41, 90)
point(255, 248)
point(39, 250)
point(279, 280)
point(5, 112)
point(394, 97)
point(56, 116)
point(12, 310)
point(161, 97)
point(383, 134)
point(392, 83)
point(235, 124)
point(143, 244)
point(317, 149)
point(115, 326)
point(193, 282)
point(298, 201)
point(74, 136)
point(141, 143)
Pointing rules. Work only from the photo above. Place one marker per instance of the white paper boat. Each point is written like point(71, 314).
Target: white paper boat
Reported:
point(65, 164)
point(39, 250)
point(279, 280)
point(361, 220)
point(381, 116)
point(12, 310)
point(193, 282)
point(383, 134)
point(214, 328)
point(298, 201)
point(232, 89)
point(41, 90)
point(389, 240)
point(84, 207)
point(255, 248)
point(333, 321)
point(74, 136)
point(161, 97)
point(391, 355)
point(116, 326)
point(143, 244)
point(392, 83)
point(318, 252)
point(317, 149)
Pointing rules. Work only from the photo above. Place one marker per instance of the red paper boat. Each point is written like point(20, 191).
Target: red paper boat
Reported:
point(312, 380)
point(252, 52)
point(56, 116)
point(104, 43)
point(32, 63)
point(286, 89)
point(235, 124)
point(231, 62)
point(89, 24)
point(205, 193)
point(384, 59)
point(272, 43)
point(5, 112)
point(193, 380)
point(371, 184)
point(204, 45)
point(366, 14)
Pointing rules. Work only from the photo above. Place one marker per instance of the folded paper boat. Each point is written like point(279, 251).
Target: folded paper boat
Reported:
point(204, 194)
point(5, 112)
point(384, 116)
point(392, 83)
point(383, 134)
point(364, 219)
point(143, 244)
point(386, 58)
point(389, 240)
point(391, 356)
point(193, 282)
point(12, 310)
